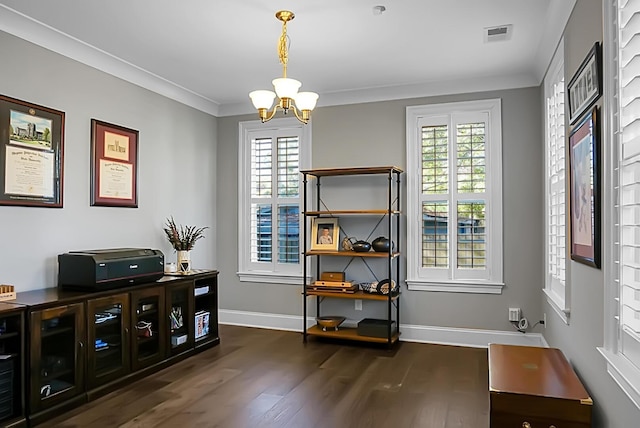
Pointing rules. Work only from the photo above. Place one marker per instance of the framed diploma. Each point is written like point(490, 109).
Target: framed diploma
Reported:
point(31, 154)
point(114, 165)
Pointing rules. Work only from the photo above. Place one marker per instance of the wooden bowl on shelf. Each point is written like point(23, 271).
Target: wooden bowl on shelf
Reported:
point(331, 322)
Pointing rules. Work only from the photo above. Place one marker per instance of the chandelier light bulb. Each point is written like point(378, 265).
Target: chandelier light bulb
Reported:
point(306, 100)
point(285, 87)
point(262, 99)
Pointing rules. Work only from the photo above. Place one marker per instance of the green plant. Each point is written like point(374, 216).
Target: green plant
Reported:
point(182, 238)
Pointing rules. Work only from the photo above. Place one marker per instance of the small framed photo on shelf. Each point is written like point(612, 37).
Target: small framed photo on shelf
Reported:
point(585, 87)
point(31, 157)
point(584, 173)
point(114, 165)
point(324, 234)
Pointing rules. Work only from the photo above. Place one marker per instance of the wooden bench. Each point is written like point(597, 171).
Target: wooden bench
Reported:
point(535, 387)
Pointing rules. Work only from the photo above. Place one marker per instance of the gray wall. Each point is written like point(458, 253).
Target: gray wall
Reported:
point(374, 134)
point(177, 167)
point(579, 339)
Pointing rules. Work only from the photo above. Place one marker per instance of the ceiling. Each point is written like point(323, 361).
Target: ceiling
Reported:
point(211, 53)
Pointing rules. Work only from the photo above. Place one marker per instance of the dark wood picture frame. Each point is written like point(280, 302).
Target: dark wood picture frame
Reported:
point(114, 165)
point(585, 87)
point(584, 189)
point(32, 154)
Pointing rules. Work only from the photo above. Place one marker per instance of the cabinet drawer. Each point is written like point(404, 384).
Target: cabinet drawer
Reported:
point(517, 408)
point(510, 420)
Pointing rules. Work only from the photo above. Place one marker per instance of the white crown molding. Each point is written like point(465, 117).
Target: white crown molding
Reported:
point(558, 15)
point(36, 32)
point(417, 90)
point(409, 333)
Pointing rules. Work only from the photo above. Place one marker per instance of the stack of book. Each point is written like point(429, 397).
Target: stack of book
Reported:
point(334, 286)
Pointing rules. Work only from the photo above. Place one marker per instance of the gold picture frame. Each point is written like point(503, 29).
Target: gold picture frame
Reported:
point(325, 234)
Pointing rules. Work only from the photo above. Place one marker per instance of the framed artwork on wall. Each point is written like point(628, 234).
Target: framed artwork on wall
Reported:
point(114, 165)
point(585, 87)
point(324, 234)
point(584, 189)
point(32, 154)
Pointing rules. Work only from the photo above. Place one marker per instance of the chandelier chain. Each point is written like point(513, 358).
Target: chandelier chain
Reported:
point(283, 51)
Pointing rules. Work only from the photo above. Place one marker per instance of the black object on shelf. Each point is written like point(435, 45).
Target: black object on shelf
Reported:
point(375, 327)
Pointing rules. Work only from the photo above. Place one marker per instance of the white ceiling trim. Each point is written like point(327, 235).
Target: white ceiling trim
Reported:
point(418, 90)
point(31, 30)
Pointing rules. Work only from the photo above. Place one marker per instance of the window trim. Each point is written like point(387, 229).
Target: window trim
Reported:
point(621, 370)
point(495, 282)
point(246, 273)
point(559, 303)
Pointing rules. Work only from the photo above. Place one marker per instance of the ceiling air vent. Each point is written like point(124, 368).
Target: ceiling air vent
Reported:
point(495, 34)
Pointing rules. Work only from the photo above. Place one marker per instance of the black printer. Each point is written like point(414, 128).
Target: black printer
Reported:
point(109, 268)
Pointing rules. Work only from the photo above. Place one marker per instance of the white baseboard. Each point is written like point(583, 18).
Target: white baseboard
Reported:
point(409, 333)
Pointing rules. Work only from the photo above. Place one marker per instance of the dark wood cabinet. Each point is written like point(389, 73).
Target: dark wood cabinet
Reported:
point(82, 344)
point(536, 387)
point(57, 355)
point(149, 327)
point(12, 368)
point(108, 339)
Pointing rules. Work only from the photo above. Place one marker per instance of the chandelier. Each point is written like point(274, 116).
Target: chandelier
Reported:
point(285, 88)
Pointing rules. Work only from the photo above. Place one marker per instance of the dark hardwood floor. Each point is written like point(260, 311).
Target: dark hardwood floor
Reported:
point(266, 378)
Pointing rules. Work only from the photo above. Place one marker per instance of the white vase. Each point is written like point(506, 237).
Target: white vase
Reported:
point(184, 261)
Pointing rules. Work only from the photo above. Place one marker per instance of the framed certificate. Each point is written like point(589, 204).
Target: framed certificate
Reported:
point(31, 154)
point(114, 165)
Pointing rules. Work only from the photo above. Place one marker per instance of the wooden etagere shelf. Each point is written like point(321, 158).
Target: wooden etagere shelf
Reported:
point(357, 295)
point(350, 254)
point(350, 212)
point(390, 212)
point(349, 333)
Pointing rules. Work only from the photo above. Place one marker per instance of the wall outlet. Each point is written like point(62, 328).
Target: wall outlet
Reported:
point(544, 319)
point(358, 304)
point(514, 314)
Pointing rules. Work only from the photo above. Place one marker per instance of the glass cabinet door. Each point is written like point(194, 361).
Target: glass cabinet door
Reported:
point(57, 355)
point(11, 364)
point(149, 327)
point(180, 316)
point(108, 339)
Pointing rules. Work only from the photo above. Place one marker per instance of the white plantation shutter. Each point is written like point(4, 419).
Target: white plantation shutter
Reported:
point(454, 199)
point(555, 283)
point(621, 348)
point(270, 159)
point(628, 142)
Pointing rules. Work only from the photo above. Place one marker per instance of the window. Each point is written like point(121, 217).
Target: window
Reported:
point(622, 205)
point(555, 286)
point(270, 159)
point(454, 197)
